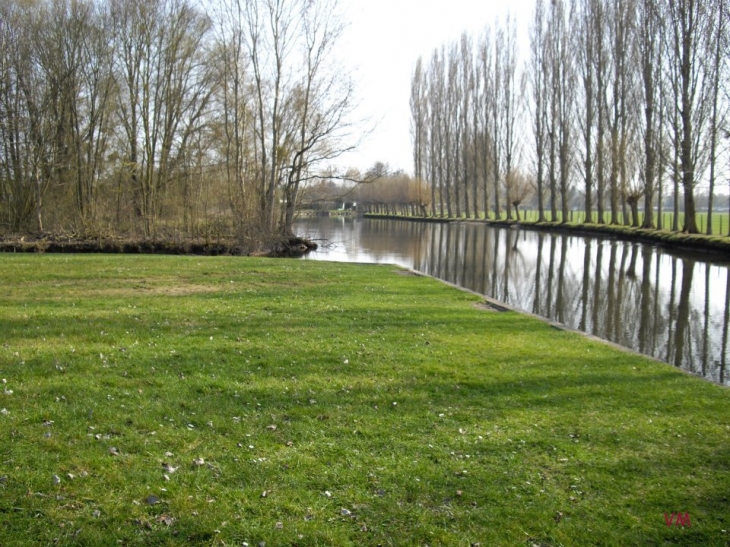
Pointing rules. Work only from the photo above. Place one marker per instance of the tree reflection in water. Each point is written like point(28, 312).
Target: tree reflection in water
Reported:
point(672, 307)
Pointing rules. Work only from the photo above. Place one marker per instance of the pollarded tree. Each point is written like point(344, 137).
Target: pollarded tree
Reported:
point(518, 188)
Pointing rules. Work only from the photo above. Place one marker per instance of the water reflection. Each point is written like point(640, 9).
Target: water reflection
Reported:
point(674, 308)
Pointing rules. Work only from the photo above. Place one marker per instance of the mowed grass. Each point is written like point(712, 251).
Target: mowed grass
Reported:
point(216, 401)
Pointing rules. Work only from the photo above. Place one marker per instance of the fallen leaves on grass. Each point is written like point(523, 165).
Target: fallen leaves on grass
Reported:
point(167, 520)
point(169, 468)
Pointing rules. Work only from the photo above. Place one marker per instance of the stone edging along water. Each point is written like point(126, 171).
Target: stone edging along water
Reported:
point(694, 243)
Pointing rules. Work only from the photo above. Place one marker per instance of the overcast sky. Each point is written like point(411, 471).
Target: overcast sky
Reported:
point(382, 44)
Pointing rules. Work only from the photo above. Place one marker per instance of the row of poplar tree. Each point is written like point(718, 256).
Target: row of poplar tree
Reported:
point(152, 117)
point(616, 103)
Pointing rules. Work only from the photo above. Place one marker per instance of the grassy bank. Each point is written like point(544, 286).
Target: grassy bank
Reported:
point(215, 401)
point(720, 219)
point(716, 244)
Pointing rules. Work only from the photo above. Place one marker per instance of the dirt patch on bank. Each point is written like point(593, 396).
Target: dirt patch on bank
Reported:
point(153, 290)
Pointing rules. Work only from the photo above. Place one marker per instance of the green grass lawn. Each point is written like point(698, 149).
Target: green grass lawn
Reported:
point(216, 401)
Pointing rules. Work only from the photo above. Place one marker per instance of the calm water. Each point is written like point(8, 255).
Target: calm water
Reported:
point(673, 307)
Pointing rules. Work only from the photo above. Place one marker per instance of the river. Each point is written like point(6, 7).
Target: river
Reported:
point(672, 306)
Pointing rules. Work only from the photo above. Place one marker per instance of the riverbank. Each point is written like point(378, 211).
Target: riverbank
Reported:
point(183, 400)
point(716, 245)
point(279, 247)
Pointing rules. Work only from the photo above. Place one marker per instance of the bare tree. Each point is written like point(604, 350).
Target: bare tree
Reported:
point(323, 99)
point(511, 100)
point(20, 153)
point(465, 117)
point(496, 116)
point(717, 113)
point(234, 104)
point(76, 49)
point(647, 36)
point(602, 78)
point(419, 120)
point(619, 35)
point(586, 60)
point(555, 85)
point(487, 133)
point(436, 95)
point(539, 80)
point(271, 31)
point(689, 21)
point(166, 88)
point(477, 132)
point(567, 77)
point(562, 77)
point(453, 132)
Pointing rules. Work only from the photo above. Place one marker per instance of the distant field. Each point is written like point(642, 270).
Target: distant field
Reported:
point(167, 400)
